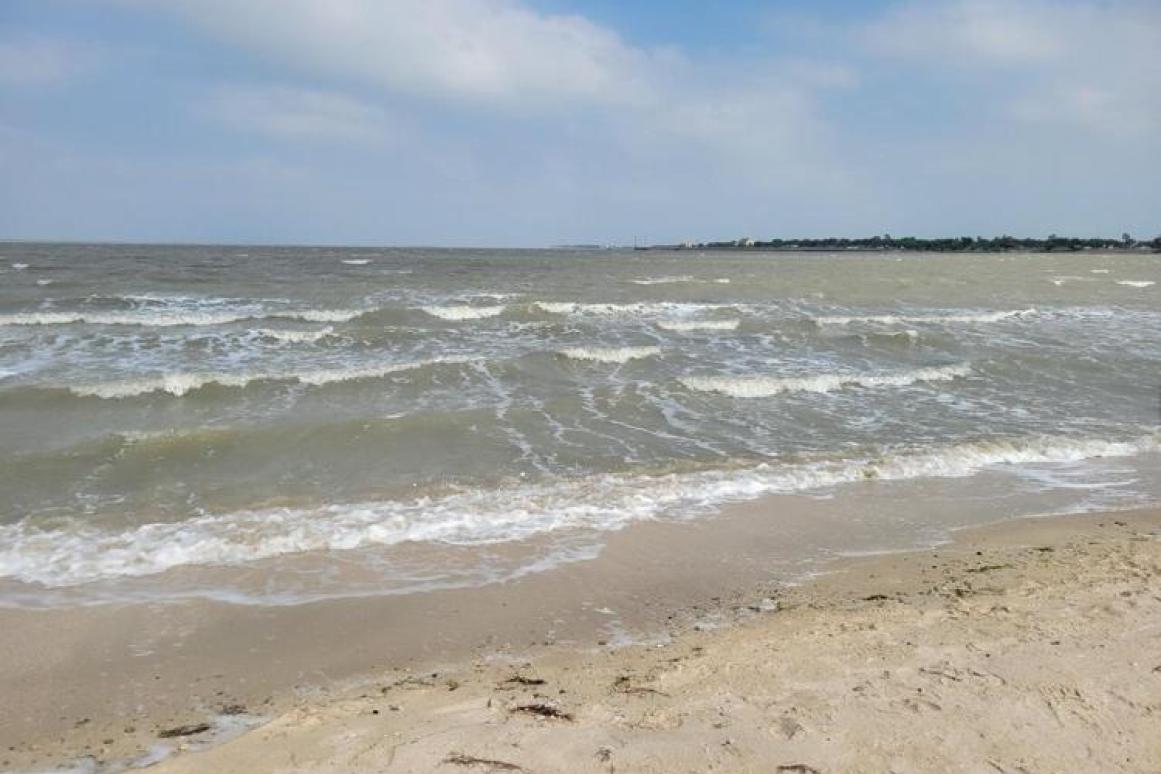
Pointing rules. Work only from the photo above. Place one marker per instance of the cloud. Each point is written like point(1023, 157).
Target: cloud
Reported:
point(493, 122)
point(287, 113)
point(502, 60)
point(34, 62)
point(968, 32)
point(487, 51)
point(1096, 65)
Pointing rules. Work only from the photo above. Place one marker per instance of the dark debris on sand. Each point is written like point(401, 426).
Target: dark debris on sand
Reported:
point(459, 759)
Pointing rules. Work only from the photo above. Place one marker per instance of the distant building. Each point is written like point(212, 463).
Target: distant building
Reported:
point(744, 242)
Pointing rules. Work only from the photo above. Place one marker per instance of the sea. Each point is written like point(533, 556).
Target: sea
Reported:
point(280, 425)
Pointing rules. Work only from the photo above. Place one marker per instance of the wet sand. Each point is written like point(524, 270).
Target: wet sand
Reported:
point(1030, 643)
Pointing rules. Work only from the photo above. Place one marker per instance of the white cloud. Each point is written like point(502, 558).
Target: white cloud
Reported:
point(39, 62)
point(504, 60)
point(970, 32)
point(282, 112)
point(485, 50)
point(1092, 64)
point(488, 121)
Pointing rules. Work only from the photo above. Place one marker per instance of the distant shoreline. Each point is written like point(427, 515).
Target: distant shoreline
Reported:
point(1004, 244)
point(828, 244)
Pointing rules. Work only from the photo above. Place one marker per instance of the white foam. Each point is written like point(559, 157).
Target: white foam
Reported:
point(43, 282)
point(1136, 283)
point(683, 326)
point(322, 315)
point(82, 553)
point(179, 384)
point(148, 318)
point(356, 261)
point(953, 317)
point(609, 310)
point(121, 318)
point(1098, 271)
point(609, 354)
point(464, 312)
point(766, 386)
point(668, 280)
point(296, 337)
point(20, 266)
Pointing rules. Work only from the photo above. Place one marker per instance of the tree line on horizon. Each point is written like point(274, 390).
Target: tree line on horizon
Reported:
point(1005, 243)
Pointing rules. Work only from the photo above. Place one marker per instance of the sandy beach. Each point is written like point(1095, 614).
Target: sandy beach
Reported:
point(1030, 645)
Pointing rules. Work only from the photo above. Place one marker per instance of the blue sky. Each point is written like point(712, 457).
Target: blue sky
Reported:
point(531, 122)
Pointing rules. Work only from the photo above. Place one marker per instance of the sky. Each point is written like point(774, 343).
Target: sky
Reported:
point(541, 122)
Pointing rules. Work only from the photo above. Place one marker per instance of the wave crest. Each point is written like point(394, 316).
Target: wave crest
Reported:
point(683, 326)
point(896, 319)
point(608, 354)
point(180, 384)
point(464, 312)
point(83, 554)
point(613, 309)
point(766, 386)
point(163, 319)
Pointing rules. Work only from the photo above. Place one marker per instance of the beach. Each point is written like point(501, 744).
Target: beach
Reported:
point(1027, 645)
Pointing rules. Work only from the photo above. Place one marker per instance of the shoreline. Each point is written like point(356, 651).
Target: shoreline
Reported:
point(1021, 646)
point(208, 666)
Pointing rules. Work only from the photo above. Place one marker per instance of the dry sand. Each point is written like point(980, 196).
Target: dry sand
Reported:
point(1028, 646)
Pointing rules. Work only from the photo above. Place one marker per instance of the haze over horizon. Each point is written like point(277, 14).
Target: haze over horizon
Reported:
point(538, 122)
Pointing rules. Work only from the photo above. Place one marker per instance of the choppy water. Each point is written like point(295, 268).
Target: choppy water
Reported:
point(167, 409)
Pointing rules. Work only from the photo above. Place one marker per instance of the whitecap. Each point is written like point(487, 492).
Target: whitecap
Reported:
point(322, 315)
point(179, 384)
point(766, 386)
point(356, 261)
point(296, 337)
point(614, 309)
point(463, 312)
point(666, 280)
point(1136, 283)
point(609, 354)
point(163, 319)
point(83, 553)
point(950, 317)
point(684, 326)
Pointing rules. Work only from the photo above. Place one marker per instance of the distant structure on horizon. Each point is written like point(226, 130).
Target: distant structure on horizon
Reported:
point(1005, 243)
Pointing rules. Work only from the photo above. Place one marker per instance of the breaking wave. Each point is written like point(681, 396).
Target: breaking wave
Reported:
point(1136, 283)
point(81, 553)
point(682, 326)
point(179, 384)
point(296, 337)
point(609, 354)
point(638, 308)
point(464, 312)
point(664, 280)
point(766, 386)
point(175, 318)
point(956, 317)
